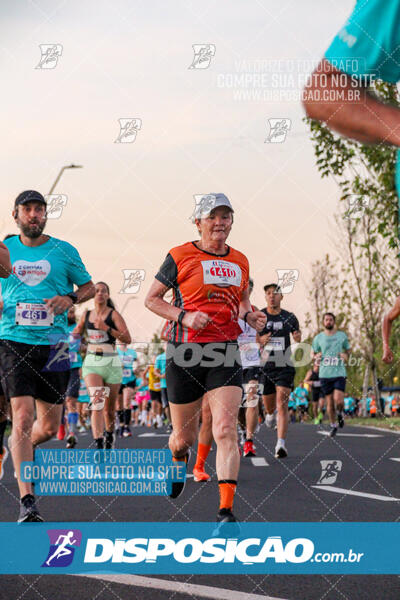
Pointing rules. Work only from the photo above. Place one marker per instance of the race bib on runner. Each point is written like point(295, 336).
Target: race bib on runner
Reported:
point(97, 336)
point(275, 343)
point(221, 272)
point(126, 372)
point(73, 357)
point(157, 386)
point(33, 314)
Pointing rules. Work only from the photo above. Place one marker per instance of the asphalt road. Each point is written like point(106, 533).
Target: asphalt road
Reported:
point(269, 490)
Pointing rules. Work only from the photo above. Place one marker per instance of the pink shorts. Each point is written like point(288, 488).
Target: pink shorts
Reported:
point(142, 397)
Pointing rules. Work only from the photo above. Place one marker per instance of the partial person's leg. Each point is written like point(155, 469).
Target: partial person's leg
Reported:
point(204, 441)
point(185, 419)
point(93, 380)
point(21, 443)
point(127, 396)
point(47, 421)
point(224, 404)
point(109, 413)
point(282, 399)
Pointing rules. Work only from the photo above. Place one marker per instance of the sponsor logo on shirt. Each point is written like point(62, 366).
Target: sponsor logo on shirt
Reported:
point(31, 273)
point(221, 273)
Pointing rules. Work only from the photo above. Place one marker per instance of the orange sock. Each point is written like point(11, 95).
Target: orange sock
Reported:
point(202, 453)
point(227, 489)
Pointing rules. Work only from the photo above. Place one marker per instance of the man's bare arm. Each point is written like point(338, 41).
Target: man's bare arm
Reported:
point(348, 108)
point(5, 264)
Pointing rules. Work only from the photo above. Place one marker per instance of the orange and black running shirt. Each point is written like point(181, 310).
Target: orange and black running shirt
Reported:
point(207, 282)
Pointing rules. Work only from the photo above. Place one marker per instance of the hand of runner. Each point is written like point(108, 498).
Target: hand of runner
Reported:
point(297, 336)
point(58, 304)
point(257, 319)
point(196, 319)
point(264, 339)
point(387, 355)
point(343, 356)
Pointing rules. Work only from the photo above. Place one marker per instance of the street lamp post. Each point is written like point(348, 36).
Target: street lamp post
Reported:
point(71, 166)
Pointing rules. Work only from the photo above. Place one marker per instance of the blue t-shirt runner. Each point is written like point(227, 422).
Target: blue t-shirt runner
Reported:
point(161, 365)
point(74, 343)
point(330, 347)
point(369, 45)
point(38, 273)
point(127, 357)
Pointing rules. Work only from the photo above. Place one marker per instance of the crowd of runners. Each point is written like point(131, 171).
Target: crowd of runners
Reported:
point(225, 366)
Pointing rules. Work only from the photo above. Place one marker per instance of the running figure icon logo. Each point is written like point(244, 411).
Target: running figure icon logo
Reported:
point(132, 280)
point(58, 359)
point(203, 54)
point(62, 547)
point(278, 129)
point(98, 396)
point(50, 54)
point(128, 129)
point(286, 279)
point(55, 205)
point(330, 471)
point(356, 206)
point(203, 205)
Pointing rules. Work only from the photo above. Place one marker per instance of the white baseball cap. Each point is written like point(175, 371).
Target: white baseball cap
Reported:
point(207, 202)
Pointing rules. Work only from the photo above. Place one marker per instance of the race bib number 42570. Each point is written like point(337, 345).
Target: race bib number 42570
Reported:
point(221, 272)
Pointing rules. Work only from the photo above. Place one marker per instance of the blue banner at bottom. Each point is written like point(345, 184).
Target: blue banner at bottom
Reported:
point(200, 548)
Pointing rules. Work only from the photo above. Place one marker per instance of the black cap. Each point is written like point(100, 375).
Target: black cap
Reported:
point(29, 196)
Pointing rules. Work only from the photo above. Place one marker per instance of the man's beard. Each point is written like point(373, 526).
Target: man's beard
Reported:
point(329, 326)
point(32, 233)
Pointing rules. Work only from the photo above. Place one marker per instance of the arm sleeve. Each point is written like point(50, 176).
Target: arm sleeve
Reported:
point(315, 345)
point(168, 272)
point(77, 272)
point(369, 42)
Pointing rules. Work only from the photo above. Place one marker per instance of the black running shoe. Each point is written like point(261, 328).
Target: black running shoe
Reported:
point(28, 513)
point(179, 486)
point(333, 431)
point(71, 441)
point(227, 523)
point(109, 440)
point(340, 420)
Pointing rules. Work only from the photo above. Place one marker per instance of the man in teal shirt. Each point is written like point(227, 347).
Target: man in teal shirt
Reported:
point(331, 347)
point(367, 46)
point(33, 332)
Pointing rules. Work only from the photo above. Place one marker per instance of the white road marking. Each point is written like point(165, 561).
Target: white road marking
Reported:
point(259, 461)
point(337, 490)
point(398, 459)
point(153, 435)
point(180, 587)
point(367, 435)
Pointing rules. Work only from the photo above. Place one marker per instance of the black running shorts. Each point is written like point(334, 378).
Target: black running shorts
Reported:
point(34, 370)
point(281, 376)
point(196, 368)
point(252, 374)
point(74, 384)
point(155, 395)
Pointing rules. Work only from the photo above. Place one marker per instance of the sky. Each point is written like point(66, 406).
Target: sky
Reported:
point(202, 131)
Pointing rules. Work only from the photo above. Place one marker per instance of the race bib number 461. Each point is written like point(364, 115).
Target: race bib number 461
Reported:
point(221, 272)
point(37, 315)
